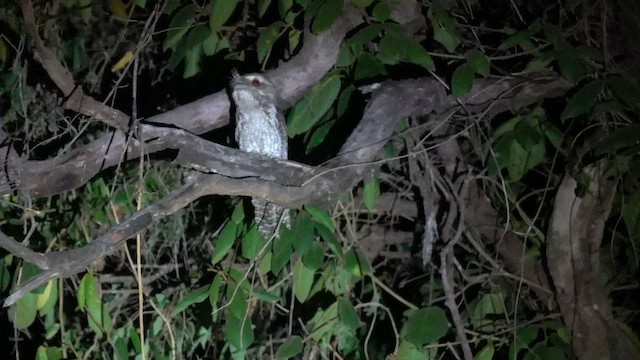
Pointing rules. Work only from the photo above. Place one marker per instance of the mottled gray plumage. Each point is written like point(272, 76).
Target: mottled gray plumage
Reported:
point(260, 129)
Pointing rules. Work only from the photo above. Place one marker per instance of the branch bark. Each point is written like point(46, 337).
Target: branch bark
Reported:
point(574, 237)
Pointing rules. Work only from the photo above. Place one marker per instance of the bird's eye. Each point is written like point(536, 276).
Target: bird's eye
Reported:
point(256, 82)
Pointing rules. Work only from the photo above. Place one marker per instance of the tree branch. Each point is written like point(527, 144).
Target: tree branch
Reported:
point(233, 172)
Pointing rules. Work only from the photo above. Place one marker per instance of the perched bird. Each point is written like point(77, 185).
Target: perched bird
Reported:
point(260, 129)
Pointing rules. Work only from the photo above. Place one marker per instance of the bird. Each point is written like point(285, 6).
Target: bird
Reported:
point(260, 129)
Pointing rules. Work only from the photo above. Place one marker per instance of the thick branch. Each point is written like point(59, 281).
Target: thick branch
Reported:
point(576, 228)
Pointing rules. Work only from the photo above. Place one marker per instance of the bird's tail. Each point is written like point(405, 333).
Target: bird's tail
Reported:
point(268, 216)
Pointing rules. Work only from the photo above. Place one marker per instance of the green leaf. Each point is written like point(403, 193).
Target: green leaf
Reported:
point(224, 242)
point(85, 9)
point(192, 62)
point(320, 216)
point(478, 62)
point(323, 322)
point(583, 100)
point(347, 314)
point(89, 300)
point(390, 48)
point(23, 312)
point(364, 36)
point(425, 326)
point(282, 250)
point(368, 66)
point(238, 306)
point(239, 332)
point(179, 25)
point(311, 109)
point(356, 263)
point(284, 8)
point(570, 64)
point(418, 55)
point(408, 351)
point(171, 6)
point(346, 57)
point(266, 296)
point(527, 135)
point(544, 351)
point(197, 36)
point(251, 243)
point(302, 280)
point(486, 353)
point(268, 38)
point(263, 6)
point(508, 126)
point(344, 100)
point(619, 139)
point(48, 353)
point(314, 258)
point(484, 311)
point(265, 263)
point(238, 214)
point(462, 80)
point(371, 192)
point(329, 11)
point(523, 338)
point(626, 90)
point(302, 234)
point(554, 135)
point(290, 348)
point(294, 39)
point(517, 165)
point(193, 297)
point(49, 298)
point(381, 12)
point(327, 235)
point(214, 291)
point(319, 135)
point(80, 59)
point(221, 10)
point(447, 37)
point(516, 39)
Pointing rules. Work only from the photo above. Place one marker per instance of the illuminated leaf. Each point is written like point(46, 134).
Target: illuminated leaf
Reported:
point(302, 280)
point(221, 10)
point(309, 110)
point(179, 25)
point(224, 242)
point(124, 61)
point(425, 326)
point(268, 38)
point(290, 348)
point(371, 192)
